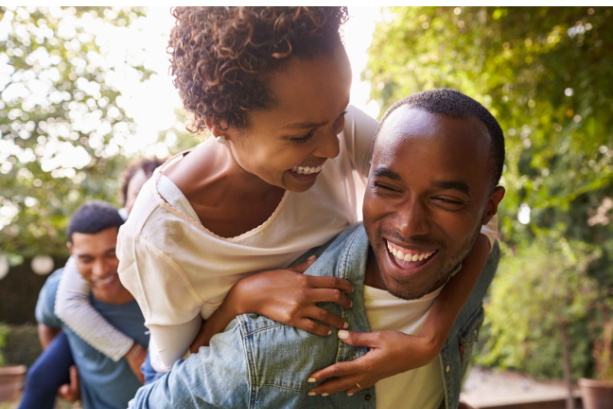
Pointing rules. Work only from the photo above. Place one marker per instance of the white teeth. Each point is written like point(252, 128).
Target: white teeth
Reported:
point(307, 170)
point(407, 256)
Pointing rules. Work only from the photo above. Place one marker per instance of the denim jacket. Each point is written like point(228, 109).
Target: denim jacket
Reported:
point(259, 363)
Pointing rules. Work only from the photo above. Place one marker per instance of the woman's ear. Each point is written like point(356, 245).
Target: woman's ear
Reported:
point(217, 129)
point(492, 205)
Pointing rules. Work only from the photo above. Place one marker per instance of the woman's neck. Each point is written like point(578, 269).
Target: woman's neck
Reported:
point(221, 192)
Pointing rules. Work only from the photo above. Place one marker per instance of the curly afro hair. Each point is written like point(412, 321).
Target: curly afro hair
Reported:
point(221, 56)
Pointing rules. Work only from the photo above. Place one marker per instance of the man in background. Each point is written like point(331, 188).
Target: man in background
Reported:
point(100, 382)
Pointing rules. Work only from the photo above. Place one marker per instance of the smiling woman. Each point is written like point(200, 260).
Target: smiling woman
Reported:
point(273, 84)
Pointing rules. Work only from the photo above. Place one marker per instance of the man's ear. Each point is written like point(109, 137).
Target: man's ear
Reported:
point(69, 245)
point(492, 204)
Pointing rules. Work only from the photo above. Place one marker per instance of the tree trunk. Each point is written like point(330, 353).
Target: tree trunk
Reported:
point(570, 400)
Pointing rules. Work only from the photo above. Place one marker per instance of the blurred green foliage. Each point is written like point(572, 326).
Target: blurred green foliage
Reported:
point(62, 124)
point(538, 292)
point(4, 330)
point(546, 73)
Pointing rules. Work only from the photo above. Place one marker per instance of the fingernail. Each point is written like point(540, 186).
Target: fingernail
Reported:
point(311, 258)
point(324, 394)
point(342, 334)
point(350, 303)
point(311, 394)
point(346, 325)
point(349, 394)
point(329, 332)
point(311, 380)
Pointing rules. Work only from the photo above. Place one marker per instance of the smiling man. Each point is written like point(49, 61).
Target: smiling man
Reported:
point(433, 184)
point(102, 382)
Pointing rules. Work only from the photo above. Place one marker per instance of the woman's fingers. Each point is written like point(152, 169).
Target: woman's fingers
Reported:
point(356, 389)
point(313, 327)
point(338, 370)
point(326, 317)
point(329, 295)
point(302, 267)
point(362, 339)
point(336, 385)
point(331, 282)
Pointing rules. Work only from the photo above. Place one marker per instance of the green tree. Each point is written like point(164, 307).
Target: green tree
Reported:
point(543, 293)
point(545, 73)
point(62, 123)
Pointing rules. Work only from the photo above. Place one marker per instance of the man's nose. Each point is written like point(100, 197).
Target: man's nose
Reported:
point(329, 145)
point(414, 219)
point(99, 269)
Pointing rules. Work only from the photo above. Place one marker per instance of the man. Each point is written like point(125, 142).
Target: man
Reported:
point(102, 383)
point(433, 181)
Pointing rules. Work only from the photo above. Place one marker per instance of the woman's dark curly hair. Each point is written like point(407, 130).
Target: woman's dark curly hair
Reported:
point(221, 56)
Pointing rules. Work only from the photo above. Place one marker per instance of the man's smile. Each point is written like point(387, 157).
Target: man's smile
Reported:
point(409, 260)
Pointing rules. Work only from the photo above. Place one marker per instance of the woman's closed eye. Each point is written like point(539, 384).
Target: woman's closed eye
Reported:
point(303, 139)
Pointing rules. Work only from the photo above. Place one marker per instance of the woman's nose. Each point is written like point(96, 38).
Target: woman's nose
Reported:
point(329, 147)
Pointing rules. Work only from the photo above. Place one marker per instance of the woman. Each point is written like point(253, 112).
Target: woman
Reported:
point(272, 86)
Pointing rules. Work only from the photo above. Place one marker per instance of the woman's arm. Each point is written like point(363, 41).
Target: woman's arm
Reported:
point(72, 306)
point(286, 296)
point(393, 352)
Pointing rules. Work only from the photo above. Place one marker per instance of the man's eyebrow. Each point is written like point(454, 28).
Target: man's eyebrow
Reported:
point(301, 125)
point(386, 173)
point(452, 184)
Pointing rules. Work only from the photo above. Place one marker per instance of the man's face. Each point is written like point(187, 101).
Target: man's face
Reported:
point(97, 263)
point(429, 192)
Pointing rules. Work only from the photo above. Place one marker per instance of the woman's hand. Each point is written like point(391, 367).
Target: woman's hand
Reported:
point(291, 298)
point(286, 296)
point(391, 353)
point(71, 392)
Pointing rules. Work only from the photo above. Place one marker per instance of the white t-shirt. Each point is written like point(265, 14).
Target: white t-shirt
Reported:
point(423, 387)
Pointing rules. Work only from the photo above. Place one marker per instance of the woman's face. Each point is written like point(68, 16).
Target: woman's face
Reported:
point(288, 145)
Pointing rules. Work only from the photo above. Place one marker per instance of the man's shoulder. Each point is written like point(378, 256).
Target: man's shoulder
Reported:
point(333, 247)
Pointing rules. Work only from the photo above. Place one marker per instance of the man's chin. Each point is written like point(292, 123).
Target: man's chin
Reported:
point(408, 282)
point(107, 293)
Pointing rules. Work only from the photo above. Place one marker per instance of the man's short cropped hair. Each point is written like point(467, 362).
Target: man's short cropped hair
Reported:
point(455, 104)
point(94, 217)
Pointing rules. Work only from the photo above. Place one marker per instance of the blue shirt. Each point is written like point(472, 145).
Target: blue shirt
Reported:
point(105, 384)
point(259, 363)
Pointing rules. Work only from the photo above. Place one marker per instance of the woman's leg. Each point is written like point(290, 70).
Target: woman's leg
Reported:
point(47, 374)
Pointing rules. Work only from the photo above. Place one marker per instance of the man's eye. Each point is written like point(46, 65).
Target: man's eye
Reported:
point(449, 202)
point(384, 187)
point(303, 139)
